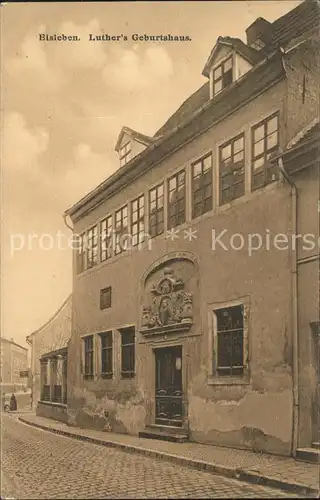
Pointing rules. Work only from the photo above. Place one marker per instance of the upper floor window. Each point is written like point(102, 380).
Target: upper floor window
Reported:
point(222, 76)
point(137, 220)
point(230, 340)
point(231, 169)
point(88, 356)
point(156, 211)
point(81, 253)
point(202, 186)
point(92, 247)
point(125, 154)
point(121, 230)
point(177, 199)
point(128, 352)
point(106, 239)
point(106, 355)
point(265, 141)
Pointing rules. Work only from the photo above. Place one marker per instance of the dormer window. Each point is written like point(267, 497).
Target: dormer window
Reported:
point(125, 154)
point(258, 44)
point(222, 76)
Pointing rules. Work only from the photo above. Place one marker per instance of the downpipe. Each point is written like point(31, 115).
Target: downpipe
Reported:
point(295, 338)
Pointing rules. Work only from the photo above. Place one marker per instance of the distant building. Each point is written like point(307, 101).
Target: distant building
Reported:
point(14, 359)
point(49, 357)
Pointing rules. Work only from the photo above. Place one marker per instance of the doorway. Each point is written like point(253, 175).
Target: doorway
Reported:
point(169, 405)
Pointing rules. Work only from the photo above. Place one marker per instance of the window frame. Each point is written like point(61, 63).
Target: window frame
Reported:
point(223, 73)
point(118, 248)
point(92, 250)
point(214, 378)
point(106, 290)
point(81, 253)
point(88, 374)
point(202, 187)
point(175, 203)
point(106, 252)
point(266, 169)
point(231, 142)
point(131, 348)
point(126, 156)
point(108, 351)
point(157, 210)
point(140, 222)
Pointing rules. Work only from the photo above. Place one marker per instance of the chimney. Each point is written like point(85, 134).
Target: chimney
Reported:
point(259, 31)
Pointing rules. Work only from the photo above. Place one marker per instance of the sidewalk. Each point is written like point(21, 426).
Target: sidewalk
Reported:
point(269, 470)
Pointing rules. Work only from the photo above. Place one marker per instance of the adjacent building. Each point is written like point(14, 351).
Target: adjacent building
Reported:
point(194, 311)
point(49, 363)
point(14, 365)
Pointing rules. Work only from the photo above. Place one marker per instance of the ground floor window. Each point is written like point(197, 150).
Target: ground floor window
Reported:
point(229, 340)
point(88, 357)
point(127, 352)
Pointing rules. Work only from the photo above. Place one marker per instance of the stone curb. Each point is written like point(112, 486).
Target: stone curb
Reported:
point(240, 474)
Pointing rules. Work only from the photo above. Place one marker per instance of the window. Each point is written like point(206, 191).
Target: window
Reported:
point(265, 141)
point(222, 76)
point(177, 200)
point(88, 357)
point(258, 44)
point(121, 229)
point(127, 352)
point(137, 220)
point(202, 186)
point(230, 335)
point(106, 355)
point(92, 247)
point(106, 238)
point(81, 253)
point(125, 154)
point(231, 170)
point(156, 212)
point(105, 297)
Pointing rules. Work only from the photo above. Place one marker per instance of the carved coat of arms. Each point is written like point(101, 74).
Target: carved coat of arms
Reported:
point(169, 303)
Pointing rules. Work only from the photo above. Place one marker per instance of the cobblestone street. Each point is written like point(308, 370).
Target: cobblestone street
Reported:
point(38, 464)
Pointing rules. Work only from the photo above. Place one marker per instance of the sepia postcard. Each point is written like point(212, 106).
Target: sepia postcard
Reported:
point(160, 249)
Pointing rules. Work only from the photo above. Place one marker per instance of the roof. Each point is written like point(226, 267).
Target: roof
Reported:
point(305, 134)
point(295, 22)
point(51, 319)
point(250, 54)
point(185, 125)
point(3, 339)
point(137, 136)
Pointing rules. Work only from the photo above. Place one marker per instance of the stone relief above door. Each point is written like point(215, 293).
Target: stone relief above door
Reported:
point(168, 304)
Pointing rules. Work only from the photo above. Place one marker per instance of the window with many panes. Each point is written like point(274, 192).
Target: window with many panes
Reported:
point(81, 253)
point(177, 199)
point(88, 356)
point(121, 222)
point(231, 169)
point(105, 298)
point(202, 186)
point(222, 76)
point(125, 154)
point(265, 141)
point(156, 211)
point(106, 238)
point(230, 341)
point(127, 352)
point(92, 247)
point(137, 221)
point(106, 355)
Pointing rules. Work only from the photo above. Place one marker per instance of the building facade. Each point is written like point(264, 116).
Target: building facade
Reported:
point(14, 360)
point(48, 362)
point(183, 312)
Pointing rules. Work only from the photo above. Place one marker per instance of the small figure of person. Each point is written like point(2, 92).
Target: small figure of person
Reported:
point(13, 402)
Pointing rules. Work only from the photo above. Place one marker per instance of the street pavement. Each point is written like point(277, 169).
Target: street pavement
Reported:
point(38, 464)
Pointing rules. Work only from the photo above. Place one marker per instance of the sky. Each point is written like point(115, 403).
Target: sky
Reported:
point(63, 105)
